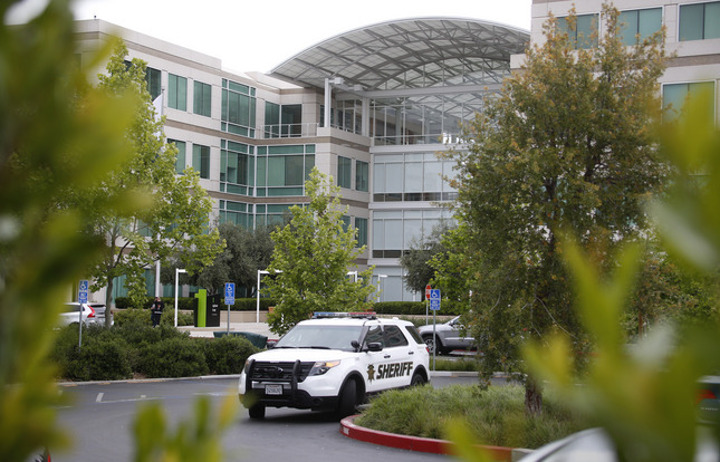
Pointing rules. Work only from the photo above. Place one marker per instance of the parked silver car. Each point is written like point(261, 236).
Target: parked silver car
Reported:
point(450, 335)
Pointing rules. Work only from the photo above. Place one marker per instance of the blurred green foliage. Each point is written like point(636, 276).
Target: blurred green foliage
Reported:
point(644, 395)
point(59, 136)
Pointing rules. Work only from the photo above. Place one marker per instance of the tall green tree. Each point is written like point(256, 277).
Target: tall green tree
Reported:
point(312, 256)
point(176, 215)
point(246, 251)
point(565, 146)
point(416, 262)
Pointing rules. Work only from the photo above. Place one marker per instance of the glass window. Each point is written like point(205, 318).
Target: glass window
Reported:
point(374, 335)
point(394, 178)
point(294, 170)
point(394, 337)
point(237, 167)
point(201, 160)
point(238, 109)
point(202, 98)
point(361, 226)
point(177, 92)
point(676, 95)
point(152, 77)
point(180, 160)
point(639, 24)
point(272, 120)
point(344, 172)
point(413, 177)
point(237, 213)
point(584, 34)
point(291, 120)
point(700, 21)
point(361, 176)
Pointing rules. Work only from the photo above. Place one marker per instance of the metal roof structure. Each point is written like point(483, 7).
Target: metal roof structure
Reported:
point(408, 54)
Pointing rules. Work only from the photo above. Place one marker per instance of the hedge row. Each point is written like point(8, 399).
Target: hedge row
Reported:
point(190, 303)
point(447, 307)
point(133, 315)
point(135, 349)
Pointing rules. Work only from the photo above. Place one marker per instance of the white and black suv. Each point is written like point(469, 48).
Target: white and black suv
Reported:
point(334, 362)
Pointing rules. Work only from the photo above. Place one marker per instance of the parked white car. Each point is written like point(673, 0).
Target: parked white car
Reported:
point(93, 314)
point(71, 314)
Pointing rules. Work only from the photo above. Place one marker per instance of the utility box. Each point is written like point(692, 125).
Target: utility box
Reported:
point(214, 305)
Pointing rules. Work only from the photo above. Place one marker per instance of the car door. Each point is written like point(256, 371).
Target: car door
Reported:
point(457, 336)
point(400, 355)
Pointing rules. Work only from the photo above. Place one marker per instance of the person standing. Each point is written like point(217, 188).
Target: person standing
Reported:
point(156, 311)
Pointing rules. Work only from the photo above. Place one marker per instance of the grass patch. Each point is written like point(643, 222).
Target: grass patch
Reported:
point(455, 365)
point(495, 416)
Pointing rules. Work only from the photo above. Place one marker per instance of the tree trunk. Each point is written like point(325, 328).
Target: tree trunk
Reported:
point(533, 397)
point(108, 300)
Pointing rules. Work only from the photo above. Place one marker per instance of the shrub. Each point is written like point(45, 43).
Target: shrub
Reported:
point(103, 356)
point(227, 355)
point(173, 357)
point(132, 316)
point(496, 415)
point(464, 364)
point(168, 318)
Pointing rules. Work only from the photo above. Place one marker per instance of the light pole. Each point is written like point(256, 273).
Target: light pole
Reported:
point(177, 275)
point(257, 308)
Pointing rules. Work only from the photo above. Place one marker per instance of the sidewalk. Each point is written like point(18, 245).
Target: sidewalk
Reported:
point(260, 328)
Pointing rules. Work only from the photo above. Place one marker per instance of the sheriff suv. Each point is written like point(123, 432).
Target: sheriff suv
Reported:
point(333, 362)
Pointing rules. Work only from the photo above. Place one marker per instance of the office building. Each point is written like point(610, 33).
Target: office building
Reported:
point(371, 107)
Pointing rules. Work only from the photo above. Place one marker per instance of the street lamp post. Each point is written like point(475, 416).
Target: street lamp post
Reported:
point(257, 309)
point(177, 275)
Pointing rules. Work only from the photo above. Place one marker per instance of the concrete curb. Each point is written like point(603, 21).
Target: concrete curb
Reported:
point(148, 380)
point(229, 376)
point(415, 443)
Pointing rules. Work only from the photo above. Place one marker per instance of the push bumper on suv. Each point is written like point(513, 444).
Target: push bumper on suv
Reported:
point(278, 384)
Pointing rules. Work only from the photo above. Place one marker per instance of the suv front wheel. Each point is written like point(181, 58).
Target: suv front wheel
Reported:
point(348, 399)
point(257, 411)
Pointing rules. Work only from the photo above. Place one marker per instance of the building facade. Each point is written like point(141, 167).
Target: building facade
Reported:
point(372, 108)
point(692, 39)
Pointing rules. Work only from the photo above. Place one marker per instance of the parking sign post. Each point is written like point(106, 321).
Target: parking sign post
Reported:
point(435, 307)
point(82, 299)
point(229, 300)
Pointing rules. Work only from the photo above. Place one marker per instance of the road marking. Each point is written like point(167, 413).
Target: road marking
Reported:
point(99, 397)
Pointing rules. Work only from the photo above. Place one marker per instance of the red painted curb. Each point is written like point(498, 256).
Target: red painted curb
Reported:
point(411, 443)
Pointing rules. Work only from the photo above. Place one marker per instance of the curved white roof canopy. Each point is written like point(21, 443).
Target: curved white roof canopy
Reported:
point(410, 54)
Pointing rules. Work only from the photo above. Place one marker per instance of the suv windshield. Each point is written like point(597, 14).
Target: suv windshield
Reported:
point(333, 337)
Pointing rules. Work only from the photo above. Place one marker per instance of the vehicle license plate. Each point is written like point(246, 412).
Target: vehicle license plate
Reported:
point(273, 389)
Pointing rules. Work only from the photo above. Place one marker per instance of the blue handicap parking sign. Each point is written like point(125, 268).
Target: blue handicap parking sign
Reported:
point(435, 299)
point(83, 291)
point(229, 293)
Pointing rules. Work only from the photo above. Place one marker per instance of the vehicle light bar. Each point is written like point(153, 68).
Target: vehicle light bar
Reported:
point(344, 314)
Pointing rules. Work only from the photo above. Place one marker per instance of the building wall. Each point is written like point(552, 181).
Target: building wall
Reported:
point(390, 223)
point(693, 61)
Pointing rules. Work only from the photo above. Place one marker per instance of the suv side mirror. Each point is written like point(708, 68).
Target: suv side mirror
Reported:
point(374, 346)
